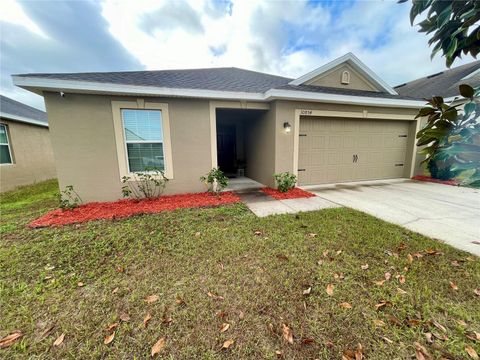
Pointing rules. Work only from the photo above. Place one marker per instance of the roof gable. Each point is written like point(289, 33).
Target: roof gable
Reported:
point(360, 76)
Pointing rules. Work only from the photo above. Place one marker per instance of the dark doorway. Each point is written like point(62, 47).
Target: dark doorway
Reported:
point(233, 136)
point(226, 147)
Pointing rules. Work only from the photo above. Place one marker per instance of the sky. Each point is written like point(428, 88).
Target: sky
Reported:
point(288, 38)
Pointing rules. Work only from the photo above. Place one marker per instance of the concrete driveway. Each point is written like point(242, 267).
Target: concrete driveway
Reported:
point(448, 213)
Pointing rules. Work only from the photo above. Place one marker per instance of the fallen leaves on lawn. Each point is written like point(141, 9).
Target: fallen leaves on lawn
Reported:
point(151, 299)
point(146, 319)
point(477, 291)
point(386, 339)
point(345, 305)
point(455, 263)
point(124, 317)
point(410, 258)
point(282, 257)
point(365, 267)
point(221, 314)
point(393, 320)
point(167, 320)
point(401, 279)
point(47, 331)
point(378, 322)
point(388, 276)
point(308, 341)
point(312, 235)
point(439, 326)
point(471, 352)
point(401, 291)
point(179, 301)
point(227, 344)
point(112, 327)
point(287, 333)
point(257, 233)
point(379, 282)
point(330, 288)
point(197, 234)
point(80, 284)
point(382, 304)
point(215, 297)
point(420, 352)
point(338, 276)
point(224, 327)
point(109, 338)
point(278, 353)
point(453, 285)
point(158, 346)
point(429, 337)
point(356, 354)
point(59, 340)
point(10, 339)
point(114, 291)
point(473, 335)
point(307, 291)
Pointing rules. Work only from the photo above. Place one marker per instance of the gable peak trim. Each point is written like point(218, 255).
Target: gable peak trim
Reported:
point(351, 59)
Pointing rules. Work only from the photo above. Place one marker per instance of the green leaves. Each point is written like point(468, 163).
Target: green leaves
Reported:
point(466, 91)
point(451, 137)
point(449, 21)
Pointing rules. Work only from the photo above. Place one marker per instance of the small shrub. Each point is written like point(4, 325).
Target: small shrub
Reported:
point(215, 180)
point(147, 184)
point(285, 181)
point(442, 172)
point(69, 199)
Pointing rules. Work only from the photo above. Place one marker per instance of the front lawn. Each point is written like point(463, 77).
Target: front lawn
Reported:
point(206, 276)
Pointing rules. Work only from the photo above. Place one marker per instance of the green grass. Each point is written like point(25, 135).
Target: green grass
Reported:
point(189, 253)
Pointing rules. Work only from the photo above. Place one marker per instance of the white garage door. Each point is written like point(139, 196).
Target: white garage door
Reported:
point(341, 150)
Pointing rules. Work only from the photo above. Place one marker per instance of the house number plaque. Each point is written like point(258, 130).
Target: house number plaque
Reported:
point(306, 112)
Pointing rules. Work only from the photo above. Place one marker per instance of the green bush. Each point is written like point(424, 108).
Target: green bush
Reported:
point(285, 181)
point(69, 199)
point(146, 184)
point(215, 180)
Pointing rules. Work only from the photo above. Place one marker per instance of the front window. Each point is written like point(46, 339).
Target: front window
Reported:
point(5, 154)
point(143, 132)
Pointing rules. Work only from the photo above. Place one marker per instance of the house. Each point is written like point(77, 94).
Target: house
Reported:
point(26, 154)
point(340, 122)
point(444, 83)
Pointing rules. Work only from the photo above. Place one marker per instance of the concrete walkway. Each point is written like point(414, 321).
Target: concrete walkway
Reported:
point(447, 213)
point(263, 205)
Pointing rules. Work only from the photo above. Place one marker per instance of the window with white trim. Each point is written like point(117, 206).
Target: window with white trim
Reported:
point(144, 141)
point(5, 152)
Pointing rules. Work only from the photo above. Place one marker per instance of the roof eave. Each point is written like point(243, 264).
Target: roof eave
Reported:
point(39, 85)
point(22, 119)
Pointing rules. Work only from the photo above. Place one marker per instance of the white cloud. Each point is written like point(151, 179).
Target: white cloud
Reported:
point(289, 38)
point(13, 13)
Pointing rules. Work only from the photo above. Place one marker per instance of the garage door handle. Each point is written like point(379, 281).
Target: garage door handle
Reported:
point(355, 158)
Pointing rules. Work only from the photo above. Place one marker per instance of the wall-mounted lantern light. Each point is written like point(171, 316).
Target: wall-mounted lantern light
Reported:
point(287, 127)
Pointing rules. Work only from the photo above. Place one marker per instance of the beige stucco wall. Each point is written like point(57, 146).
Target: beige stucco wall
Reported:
point(285, 111)
point(82, 135)
point(333, 78)
point(260, 148)
point(32, 156)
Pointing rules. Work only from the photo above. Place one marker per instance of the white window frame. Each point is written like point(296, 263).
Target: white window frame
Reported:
point(120, 140)
point(5, 126)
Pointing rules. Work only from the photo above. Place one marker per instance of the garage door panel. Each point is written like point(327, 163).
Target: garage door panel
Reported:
point(327, 151)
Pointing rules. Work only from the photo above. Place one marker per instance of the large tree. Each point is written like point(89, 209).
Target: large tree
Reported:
point(454, 25)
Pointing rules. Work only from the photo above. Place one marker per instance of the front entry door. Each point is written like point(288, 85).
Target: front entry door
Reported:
point(226, 147)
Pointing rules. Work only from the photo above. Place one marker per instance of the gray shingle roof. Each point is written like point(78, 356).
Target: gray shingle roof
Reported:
point(221, 79)
point(12, 107)
point(443, 84)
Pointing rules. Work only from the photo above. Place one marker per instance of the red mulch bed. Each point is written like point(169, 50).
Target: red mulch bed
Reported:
point(294, 193)
point(126, 208)
point(452, 182)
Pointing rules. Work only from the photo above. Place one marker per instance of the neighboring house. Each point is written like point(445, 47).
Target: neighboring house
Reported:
point(26, 154)
point(338, 123)
point(444, 83)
